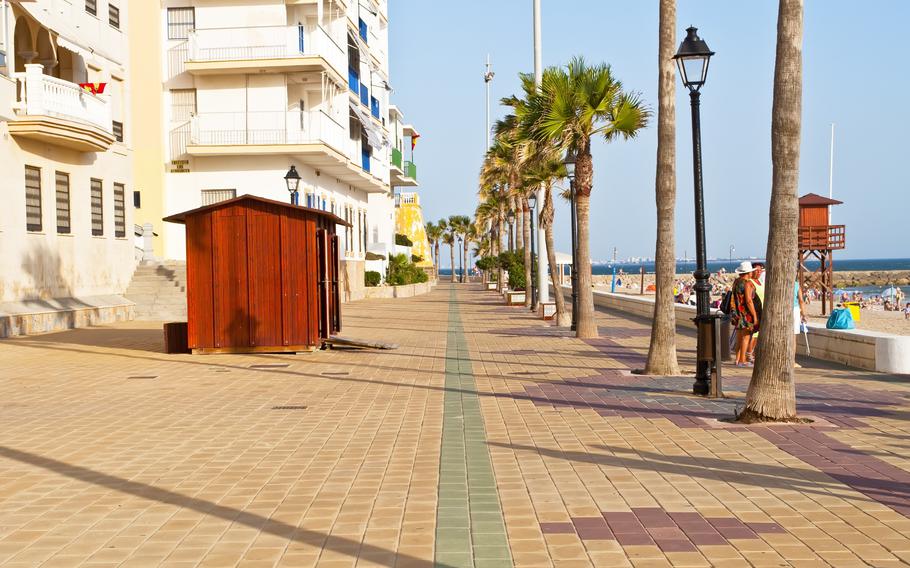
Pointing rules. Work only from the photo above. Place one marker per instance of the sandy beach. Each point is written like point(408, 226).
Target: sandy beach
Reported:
point(871, 320)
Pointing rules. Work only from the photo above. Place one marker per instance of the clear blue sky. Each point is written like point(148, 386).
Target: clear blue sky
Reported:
point(854, 75)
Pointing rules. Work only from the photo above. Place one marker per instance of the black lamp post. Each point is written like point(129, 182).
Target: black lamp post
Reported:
point(569, 162)
point(511, 236)
point(460, 264)
point(693, 57)
point(292, 178)
point(532, 203)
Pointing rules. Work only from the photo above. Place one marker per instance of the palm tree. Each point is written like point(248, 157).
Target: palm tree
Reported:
point(573, 105)
point(458, 225)
point(434, 234)
point(772, 392)
point(449, 238)
point(443, 225)
point(662, 350)
point(492, 209)
point(471, 235)
point(545, 169)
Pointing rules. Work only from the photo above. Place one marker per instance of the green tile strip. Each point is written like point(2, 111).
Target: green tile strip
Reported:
point(470, 531)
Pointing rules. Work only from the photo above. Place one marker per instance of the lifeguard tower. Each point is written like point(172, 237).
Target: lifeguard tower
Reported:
point(818, 239)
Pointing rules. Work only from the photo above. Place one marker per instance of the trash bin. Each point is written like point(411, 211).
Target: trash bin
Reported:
point(854, 309)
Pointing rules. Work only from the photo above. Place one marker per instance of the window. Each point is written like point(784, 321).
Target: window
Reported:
point(113, 16)
point(62, 186)
point(212, 196)
point(91, 6)
point(117, 127)
point(119, 210)
point(180, 22)
point(137, 200)
point(183, 104)
point(32, 198)
point(97, 208)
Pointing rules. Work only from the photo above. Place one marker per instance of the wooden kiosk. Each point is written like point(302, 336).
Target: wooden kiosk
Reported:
point(818, 239)
point(262, 276)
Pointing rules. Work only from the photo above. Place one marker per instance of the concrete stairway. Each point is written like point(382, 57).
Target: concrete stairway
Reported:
point(159, 291)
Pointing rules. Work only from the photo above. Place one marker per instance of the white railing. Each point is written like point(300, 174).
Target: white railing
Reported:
point(266, 128)
point(43, 95)
point(266, 42)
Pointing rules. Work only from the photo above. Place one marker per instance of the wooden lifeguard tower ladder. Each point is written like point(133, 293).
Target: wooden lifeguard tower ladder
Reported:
point(818, 239)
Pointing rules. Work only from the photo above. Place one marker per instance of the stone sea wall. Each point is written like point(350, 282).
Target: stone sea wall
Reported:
point(850, 279)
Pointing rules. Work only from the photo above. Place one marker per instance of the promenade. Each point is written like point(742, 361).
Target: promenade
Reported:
point(488, 439)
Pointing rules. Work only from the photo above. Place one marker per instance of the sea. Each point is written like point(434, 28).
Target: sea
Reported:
point(714, 265)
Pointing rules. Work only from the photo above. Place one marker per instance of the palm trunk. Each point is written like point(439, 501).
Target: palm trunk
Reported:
point(772, 392)
point(526, 234)
point(563, 318)
point(436, 251)
point(452, 254)
point(662, 350)
point(586, 326)
point(499, 238)
point(465, 261)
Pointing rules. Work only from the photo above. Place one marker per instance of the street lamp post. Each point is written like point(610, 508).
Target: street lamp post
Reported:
point(569, 162)
point(292, 179)
point(532, 203)
point(460, 263)
point(511, 217)
point(692, 58)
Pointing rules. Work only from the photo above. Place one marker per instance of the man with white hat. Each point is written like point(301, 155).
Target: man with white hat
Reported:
point(745, 312)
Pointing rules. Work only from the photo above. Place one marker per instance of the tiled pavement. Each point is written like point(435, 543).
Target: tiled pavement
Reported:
point(114, 454)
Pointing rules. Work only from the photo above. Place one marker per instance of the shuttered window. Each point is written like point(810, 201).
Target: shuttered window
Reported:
point(213, 196)
point(32, 198)
point(97, 208)
point(183, 104)
point(180, 22)
point(117, 128)
point(62, 186)
point(119, 210)
point(91, 6)
point(113, 16)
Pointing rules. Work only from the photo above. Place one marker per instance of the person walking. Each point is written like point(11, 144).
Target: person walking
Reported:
point(745, 316)
point(758, 281)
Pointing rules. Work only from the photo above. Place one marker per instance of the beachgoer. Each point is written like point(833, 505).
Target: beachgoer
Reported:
point(745, 317)
point(907, 311)
point(799, 315)
point(758, 280)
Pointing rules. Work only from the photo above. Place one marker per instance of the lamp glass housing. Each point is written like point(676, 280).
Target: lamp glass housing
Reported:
point(532, 200)
point(292, 178)
point(693, 58)
point(569, 163)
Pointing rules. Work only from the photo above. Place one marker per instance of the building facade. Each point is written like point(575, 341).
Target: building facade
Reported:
point(239, 91)
point(66, 227)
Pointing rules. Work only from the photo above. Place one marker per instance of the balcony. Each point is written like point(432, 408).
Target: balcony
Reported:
point(265, 49)
point(402, 173)
point(58, 112)
point(313, 137)
point(824, 237)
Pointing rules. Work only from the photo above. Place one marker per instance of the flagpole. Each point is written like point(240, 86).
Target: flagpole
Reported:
point(543, 290)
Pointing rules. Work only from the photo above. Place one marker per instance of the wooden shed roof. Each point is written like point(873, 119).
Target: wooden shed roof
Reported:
point(181, 217)
point(816, 199)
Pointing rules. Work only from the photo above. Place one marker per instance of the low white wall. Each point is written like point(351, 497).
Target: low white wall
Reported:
point(404, 291)
point(870, 350)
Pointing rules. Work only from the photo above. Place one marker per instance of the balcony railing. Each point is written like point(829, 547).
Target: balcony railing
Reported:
point(265, 42)
point(410, 170)
point(43, 95)
point(826, 237)
point(396, 158)
point(266, 128)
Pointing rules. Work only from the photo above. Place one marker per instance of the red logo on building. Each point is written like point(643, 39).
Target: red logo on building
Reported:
point(94, 88)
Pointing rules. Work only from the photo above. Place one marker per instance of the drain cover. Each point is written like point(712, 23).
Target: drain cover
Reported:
point(143, 377)
point(290, 407)
point(276, 366)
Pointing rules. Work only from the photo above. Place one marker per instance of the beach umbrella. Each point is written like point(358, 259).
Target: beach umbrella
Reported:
point(890, 293)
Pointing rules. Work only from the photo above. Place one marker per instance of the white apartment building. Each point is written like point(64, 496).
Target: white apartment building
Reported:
point(66, 228)
point(253, 87)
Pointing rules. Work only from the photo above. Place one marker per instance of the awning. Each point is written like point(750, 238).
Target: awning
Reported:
point(375, 136)
point(69, 35)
